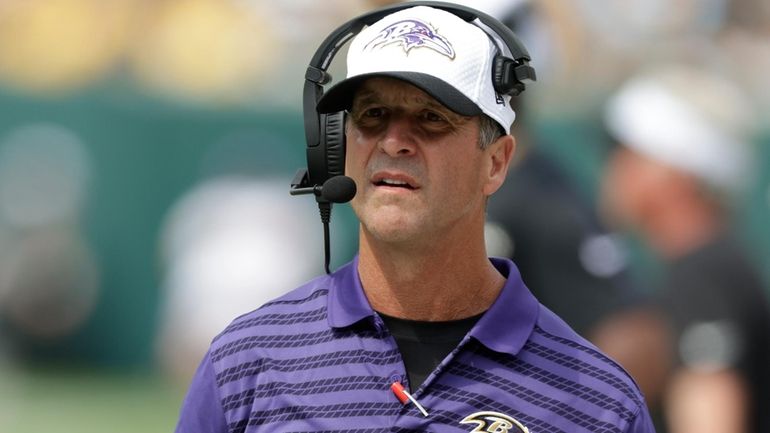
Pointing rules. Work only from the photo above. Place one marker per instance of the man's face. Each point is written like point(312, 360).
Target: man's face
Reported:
point(630, 185)
point(419, 170)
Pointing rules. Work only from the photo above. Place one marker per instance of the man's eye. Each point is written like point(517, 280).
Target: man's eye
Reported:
point(373, 112)
point(433, 117)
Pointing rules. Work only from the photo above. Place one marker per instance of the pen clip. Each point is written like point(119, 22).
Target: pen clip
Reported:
point(404, 397)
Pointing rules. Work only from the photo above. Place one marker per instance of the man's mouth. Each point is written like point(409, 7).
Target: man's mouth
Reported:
point(394, 183)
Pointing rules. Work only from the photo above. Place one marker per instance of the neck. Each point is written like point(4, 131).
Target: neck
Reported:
point(438, 282)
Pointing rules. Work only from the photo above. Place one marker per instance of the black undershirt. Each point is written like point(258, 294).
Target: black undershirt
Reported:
point(423, 345)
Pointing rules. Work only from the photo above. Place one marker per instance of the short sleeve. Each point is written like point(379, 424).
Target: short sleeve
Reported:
point(201, 410)
point(642, 423)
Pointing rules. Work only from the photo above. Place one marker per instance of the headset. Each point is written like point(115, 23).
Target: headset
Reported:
point(325, 132)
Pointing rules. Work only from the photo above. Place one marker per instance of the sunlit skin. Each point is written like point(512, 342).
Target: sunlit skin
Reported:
point(422, 184)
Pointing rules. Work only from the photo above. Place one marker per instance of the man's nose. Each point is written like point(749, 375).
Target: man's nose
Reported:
point(398, 139)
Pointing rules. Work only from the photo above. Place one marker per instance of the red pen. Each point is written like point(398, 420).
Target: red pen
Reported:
point(404, 397)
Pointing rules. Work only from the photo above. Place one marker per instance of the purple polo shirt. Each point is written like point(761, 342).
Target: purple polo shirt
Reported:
point(319, 359)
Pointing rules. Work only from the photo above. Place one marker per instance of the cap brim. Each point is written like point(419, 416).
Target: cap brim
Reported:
point(340, 96)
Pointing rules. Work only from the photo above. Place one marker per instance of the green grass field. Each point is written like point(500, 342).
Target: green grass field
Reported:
point(77, 401)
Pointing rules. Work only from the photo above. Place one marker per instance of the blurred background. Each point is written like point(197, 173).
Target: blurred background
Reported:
point(146, 149)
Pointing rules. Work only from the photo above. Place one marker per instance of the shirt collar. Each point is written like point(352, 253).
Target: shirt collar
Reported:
point(509, 322)
point(347, 301)
point(505, 327)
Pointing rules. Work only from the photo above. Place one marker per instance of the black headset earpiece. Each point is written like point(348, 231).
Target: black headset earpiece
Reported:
point(334, 134)
point(327, 158)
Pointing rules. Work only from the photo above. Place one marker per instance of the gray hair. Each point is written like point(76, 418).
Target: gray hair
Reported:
point(489, 131)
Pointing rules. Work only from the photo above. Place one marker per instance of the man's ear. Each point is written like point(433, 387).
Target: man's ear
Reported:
point(500, 153)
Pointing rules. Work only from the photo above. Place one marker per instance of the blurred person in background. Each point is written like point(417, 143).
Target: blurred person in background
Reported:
point(49, 279)
point(683, 155)
point(222, 251)
point(543, 222)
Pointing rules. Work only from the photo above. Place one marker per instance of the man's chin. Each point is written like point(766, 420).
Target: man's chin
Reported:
point(395, 231)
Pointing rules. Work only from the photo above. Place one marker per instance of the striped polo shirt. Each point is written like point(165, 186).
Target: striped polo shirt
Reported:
point(319, 359)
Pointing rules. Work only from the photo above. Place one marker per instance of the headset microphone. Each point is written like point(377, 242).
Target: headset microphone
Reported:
point(337, 189)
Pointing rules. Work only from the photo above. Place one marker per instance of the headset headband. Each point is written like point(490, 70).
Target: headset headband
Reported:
point(316, 75)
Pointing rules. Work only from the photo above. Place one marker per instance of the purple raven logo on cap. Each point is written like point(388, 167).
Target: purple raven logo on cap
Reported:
point(412, 34)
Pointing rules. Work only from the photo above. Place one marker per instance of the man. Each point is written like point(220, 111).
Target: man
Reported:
point(422, 331)
point(683, 155)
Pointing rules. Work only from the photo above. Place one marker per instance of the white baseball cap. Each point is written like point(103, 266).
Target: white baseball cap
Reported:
point(689, 119)
point(434, 50)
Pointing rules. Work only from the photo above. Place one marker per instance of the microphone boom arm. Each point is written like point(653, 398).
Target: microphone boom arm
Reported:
point(341, 189)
